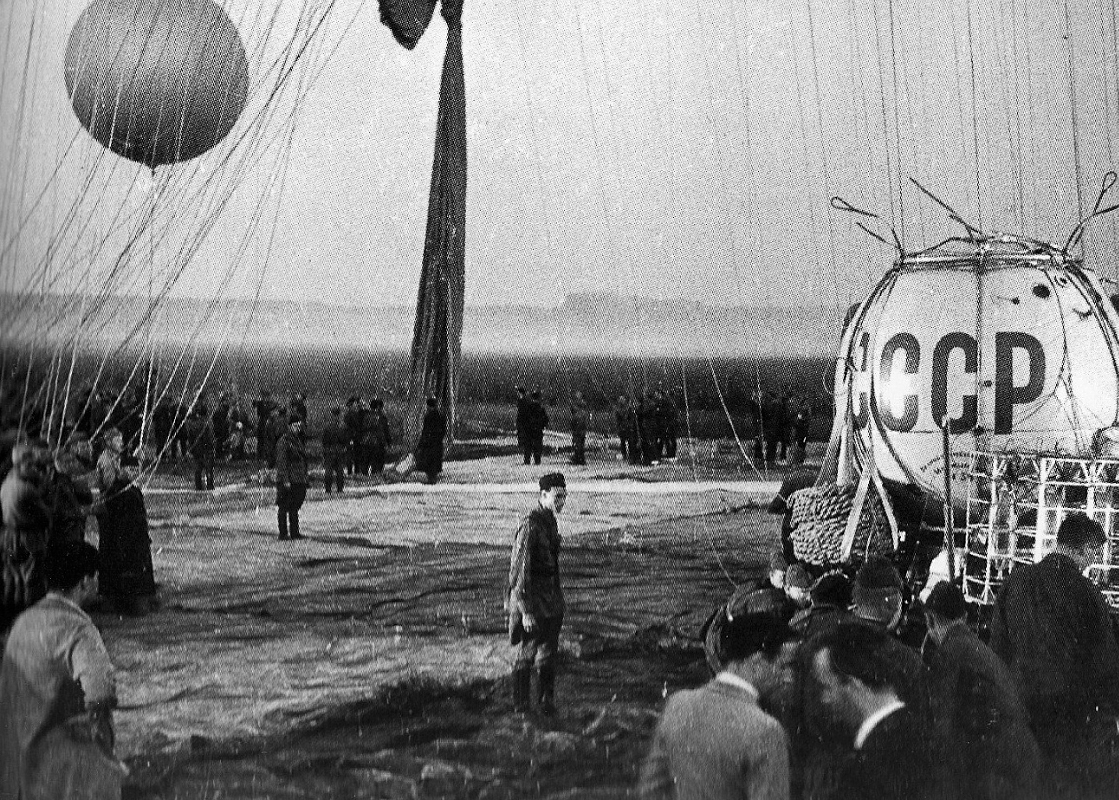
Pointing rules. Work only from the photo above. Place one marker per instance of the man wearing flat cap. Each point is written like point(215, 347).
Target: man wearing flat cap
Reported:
point(534, 598)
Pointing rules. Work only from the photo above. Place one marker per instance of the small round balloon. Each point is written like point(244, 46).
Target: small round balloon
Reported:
point(156, 81)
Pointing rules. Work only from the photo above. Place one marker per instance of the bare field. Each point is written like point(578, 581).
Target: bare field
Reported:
point(370, 659)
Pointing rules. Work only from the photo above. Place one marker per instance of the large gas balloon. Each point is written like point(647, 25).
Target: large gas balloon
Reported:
point(1015, 345)
point(156, 81)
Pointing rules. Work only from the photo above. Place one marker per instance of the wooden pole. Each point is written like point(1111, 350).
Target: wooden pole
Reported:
point(949, 534)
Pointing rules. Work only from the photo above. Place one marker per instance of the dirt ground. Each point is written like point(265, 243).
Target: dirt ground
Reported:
point(370, 660)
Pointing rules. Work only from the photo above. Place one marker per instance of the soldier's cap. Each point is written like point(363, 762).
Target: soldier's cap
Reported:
point(750, 633)
point(535, 394)
point(294, 418)
point(553, 480)
point(947, 601)
point(1079, 529)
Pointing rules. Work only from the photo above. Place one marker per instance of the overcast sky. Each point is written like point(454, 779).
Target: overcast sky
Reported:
point(670, 148)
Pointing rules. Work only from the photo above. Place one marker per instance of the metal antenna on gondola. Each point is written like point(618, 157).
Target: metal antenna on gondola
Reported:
point(1077, 232)
point(839, 204)
point(974, 233)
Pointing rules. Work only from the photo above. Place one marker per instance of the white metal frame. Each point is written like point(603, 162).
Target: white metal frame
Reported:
point(1015, 503)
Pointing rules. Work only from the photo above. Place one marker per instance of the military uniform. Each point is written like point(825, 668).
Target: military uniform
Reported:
point(534, 589)
point(291, 483)
point(335, 445)
point(579, 431)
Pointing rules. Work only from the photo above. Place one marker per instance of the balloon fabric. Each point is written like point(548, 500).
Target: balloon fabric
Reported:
point(155, 81)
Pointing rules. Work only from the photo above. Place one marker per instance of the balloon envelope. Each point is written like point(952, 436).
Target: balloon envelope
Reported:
point(156, 81)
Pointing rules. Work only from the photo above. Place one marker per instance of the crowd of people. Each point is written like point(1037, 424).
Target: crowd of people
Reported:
point(817, 693)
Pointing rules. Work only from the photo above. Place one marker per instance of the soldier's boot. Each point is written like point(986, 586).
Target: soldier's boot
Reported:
point(546, 695)
point(282, 518)
point(522, 685)
point(295, 534)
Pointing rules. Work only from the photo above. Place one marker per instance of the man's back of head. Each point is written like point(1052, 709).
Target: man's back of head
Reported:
point(877, 592)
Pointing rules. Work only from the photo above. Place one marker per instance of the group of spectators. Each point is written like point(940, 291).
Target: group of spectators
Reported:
point(780, 422)
point(45, 501)
point(647, 426)
point(816, 696)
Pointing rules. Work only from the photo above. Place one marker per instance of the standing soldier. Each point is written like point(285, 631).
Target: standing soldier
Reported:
point(200, 441)
point(162, 418)
point(379, 436)
point(335, 443)
point(220, 419)
point(429, 448)
point(524, 423)
point(534, 598)
point(352, 420)
point(621, 422)
point(670, 425)
point(264, 406)
point(635, 444)
point(291, 478)
point(538, 421)
point(579, 430)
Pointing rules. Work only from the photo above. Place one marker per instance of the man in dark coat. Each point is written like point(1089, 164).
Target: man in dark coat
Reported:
point(579, 416)
point(534, 598)
point(378, 436)
point(162, 418)
point(264, 406)
point(199, 436)
point(335, 446)
point(1052, 628)
point(890, 749)
point(351, 418)
point(621, 423)
point(429, 448)
point(69, 499)
point(990, 752)
point(537, 423)
point(220, 420)
point(291, 478)
point(524, 422)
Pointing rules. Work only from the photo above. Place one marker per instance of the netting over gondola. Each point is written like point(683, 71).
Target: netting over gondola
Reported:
point(1016, 502)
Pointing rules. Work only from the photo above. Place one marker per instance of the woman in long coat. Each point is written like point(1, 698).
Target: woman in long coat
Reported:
point(127, 577)
point(429, 449)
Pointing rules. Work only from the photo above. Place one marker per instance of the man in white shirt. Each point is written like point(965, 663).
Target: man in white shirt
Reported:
point(57, 689)
point(716, 742)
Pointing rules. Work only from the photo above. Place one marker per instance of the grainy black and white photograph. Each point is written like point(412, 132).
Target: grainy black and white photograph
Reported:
point(500, 399)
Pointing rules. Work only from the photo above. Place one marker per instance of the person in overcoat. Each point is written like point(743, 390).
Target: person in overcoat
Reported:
point(1053, 629)
point(291, 478)
point(990, 753)
point(335, 450)
point(534, 597)
point(429, 448)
